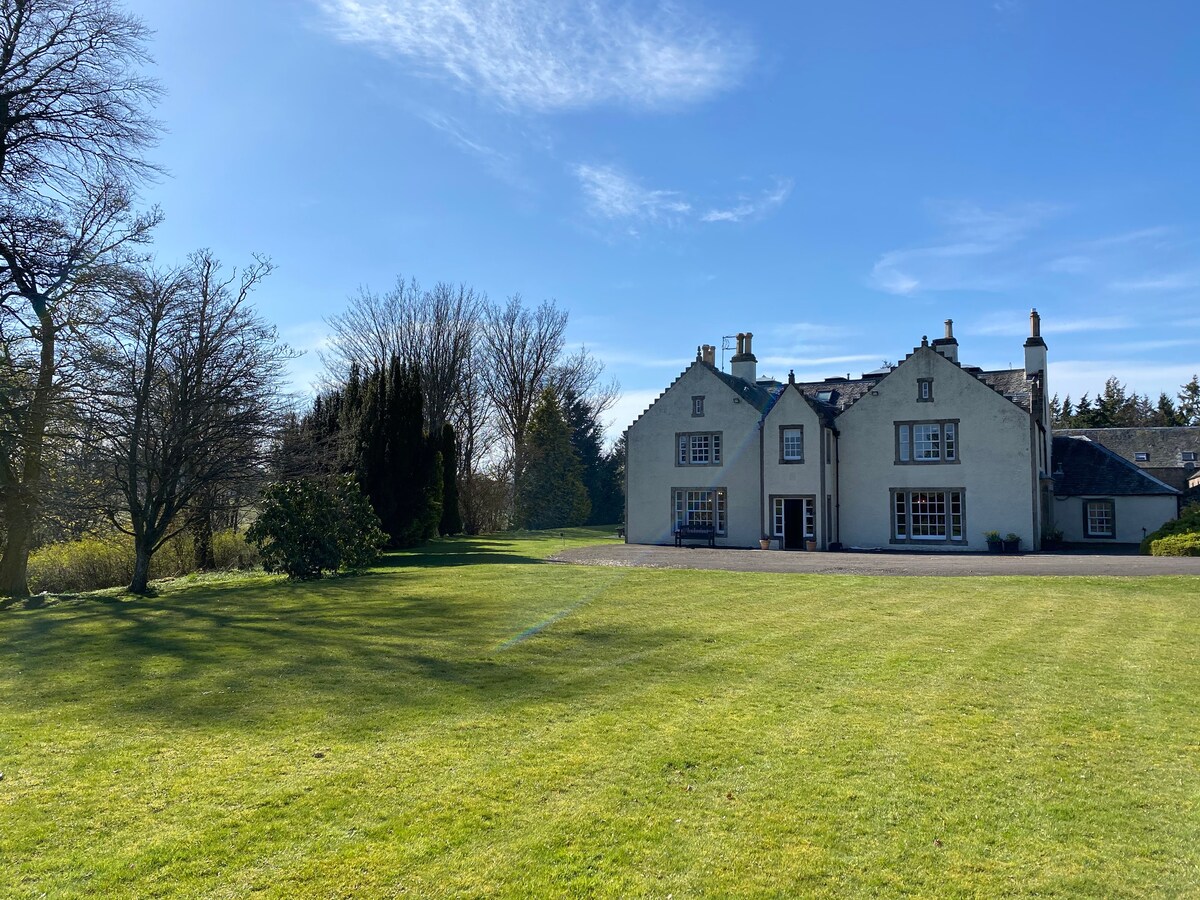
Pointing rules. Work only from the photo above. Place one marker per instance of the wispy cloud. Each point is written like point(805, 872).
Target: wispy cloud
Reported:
point(972, 234)
point(612, 194)
point(615, 195)
point(547, 55)
point(786, 362)
point(747, 208)
point(1174, 281)
point(810, 330)
point(1005, 325)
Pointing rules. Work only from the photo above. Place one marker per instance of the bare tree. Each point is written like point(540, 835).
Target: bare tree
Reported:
point(189, 399)
point(432, 330)
point(73, 128)
point(56, 261)
point(523, 347)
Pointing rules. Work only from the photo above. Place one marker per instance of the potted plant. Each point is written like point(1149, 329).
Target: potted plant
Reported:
point(1012, 542)
point(810, 542)
point(1052, 539)
point(995, 545)
point(764, 542)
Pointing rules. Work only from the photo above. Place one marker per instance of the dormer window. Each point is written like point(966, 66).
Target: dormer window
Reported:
point(697, 406)
point(1187, 455)
point(1141, 456)
point(924, 390)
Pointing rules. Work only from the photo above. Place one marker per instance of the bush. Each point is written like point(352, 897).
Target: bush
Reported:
point(1187, 523)
point(104, 561)
point(231, 550)
point(307, 529)
point(1176, 545)
point(83, 565)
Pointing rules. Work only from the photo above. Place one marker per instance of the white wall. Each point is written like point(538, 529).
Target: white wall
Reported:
point(994, 447)
point(653, 474)
point(1131, 514)
point(809, 478)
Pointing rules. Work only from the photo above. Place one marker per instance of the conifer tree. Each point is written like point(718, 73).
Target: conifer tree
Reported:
point(550, 490)
point(1189, 402)
point(451, 518)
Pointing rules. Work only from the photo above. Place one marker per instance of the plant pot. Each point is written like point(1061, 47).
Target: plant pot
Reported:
point(810, 545)
point(1012, 546)
point(764, 544)
point(995, 546)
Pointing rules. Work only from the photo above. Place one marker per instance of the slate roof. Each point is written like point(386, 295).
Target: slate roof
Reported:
point(1089, 468)
point(1165, 445)
point(1012, 383)
point(759, 397)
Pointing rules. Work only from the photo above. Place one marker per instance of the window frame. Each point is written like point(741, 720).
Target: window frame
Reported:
point(1141, 456)
point(1111, 505)
point(1187, 456)
point(720, 507)
point(906, 536)
point(924, 390)
point(952, 444)
point(698, 406)
point(784, 459)
point(715, 448)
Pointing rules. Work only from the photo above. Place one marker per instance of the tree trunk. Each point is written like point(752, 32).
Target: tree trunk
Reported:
point(202, 541)
point(14, 581)
point(21, 505)
point(141, 571)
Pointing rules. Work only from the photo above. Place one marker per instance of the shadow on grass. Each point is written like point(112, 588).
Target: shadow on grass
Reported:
point(352, 651)
point(458, 552)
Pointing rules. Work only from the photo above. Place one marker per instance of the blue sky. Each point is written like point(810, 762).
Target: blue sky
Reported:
point(836, 178)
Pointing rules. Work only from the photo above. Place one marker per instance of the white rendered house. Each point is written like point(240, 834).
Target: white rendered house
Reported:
point(926, 455)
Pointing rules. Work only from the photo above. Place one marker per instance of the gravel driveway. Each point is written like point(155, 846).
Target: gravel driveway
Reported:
point(881, 563)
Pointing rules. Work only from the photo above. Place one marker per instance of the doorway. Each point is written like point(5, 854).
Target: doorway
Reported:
point(795, 521)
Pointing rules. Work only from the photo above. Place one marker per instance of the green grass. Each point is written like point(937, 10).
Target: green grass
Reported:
point(470, 720)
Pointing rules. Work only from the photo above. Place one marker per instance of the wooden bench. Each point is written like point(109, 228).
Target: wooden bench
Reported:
point(695, 533)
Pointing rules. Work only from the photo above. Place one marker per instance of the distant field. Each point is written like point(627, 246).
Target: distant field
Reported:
point(473, 721)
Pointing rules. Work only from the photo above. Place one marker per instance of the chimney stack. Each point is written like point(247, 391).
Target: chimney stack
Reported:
point(708, 355)
point(948, 345)
point(1035, 347)
point(744, 365)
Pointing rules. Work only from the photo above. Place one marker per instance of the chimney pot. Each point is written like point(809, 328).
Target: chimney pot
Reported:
point(949, 328)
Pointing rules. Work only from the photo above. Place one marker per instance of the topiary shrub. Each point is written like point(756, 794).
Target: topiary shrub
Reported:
point(308, 528)
point(1187, 523)
point(1176, 545)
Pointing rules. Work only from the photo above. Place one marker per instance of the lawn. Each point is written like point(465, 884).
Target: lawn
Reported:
point(471, 720)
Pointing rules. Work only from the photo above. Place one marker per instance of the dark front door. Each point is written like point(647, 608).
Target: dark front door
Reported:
point(793, 524)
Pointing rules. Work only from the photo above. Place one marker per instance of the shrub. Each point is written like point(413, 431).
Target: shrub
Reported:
point(83, 565)
point(231, 550)
point(104, 561)
point(307, 529)
point(1176, 545)
point(1187, 523)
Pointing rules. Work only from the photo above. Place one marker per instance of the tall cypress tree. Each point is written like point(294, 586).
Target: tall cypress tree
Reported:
point(413, 461)
point(451, 518)
point(550, 491)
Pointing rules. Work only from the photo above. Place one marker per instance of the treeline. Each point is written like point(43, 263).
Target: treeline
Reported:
point(147, 399)
point(1116, 407)
point(450, 412)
